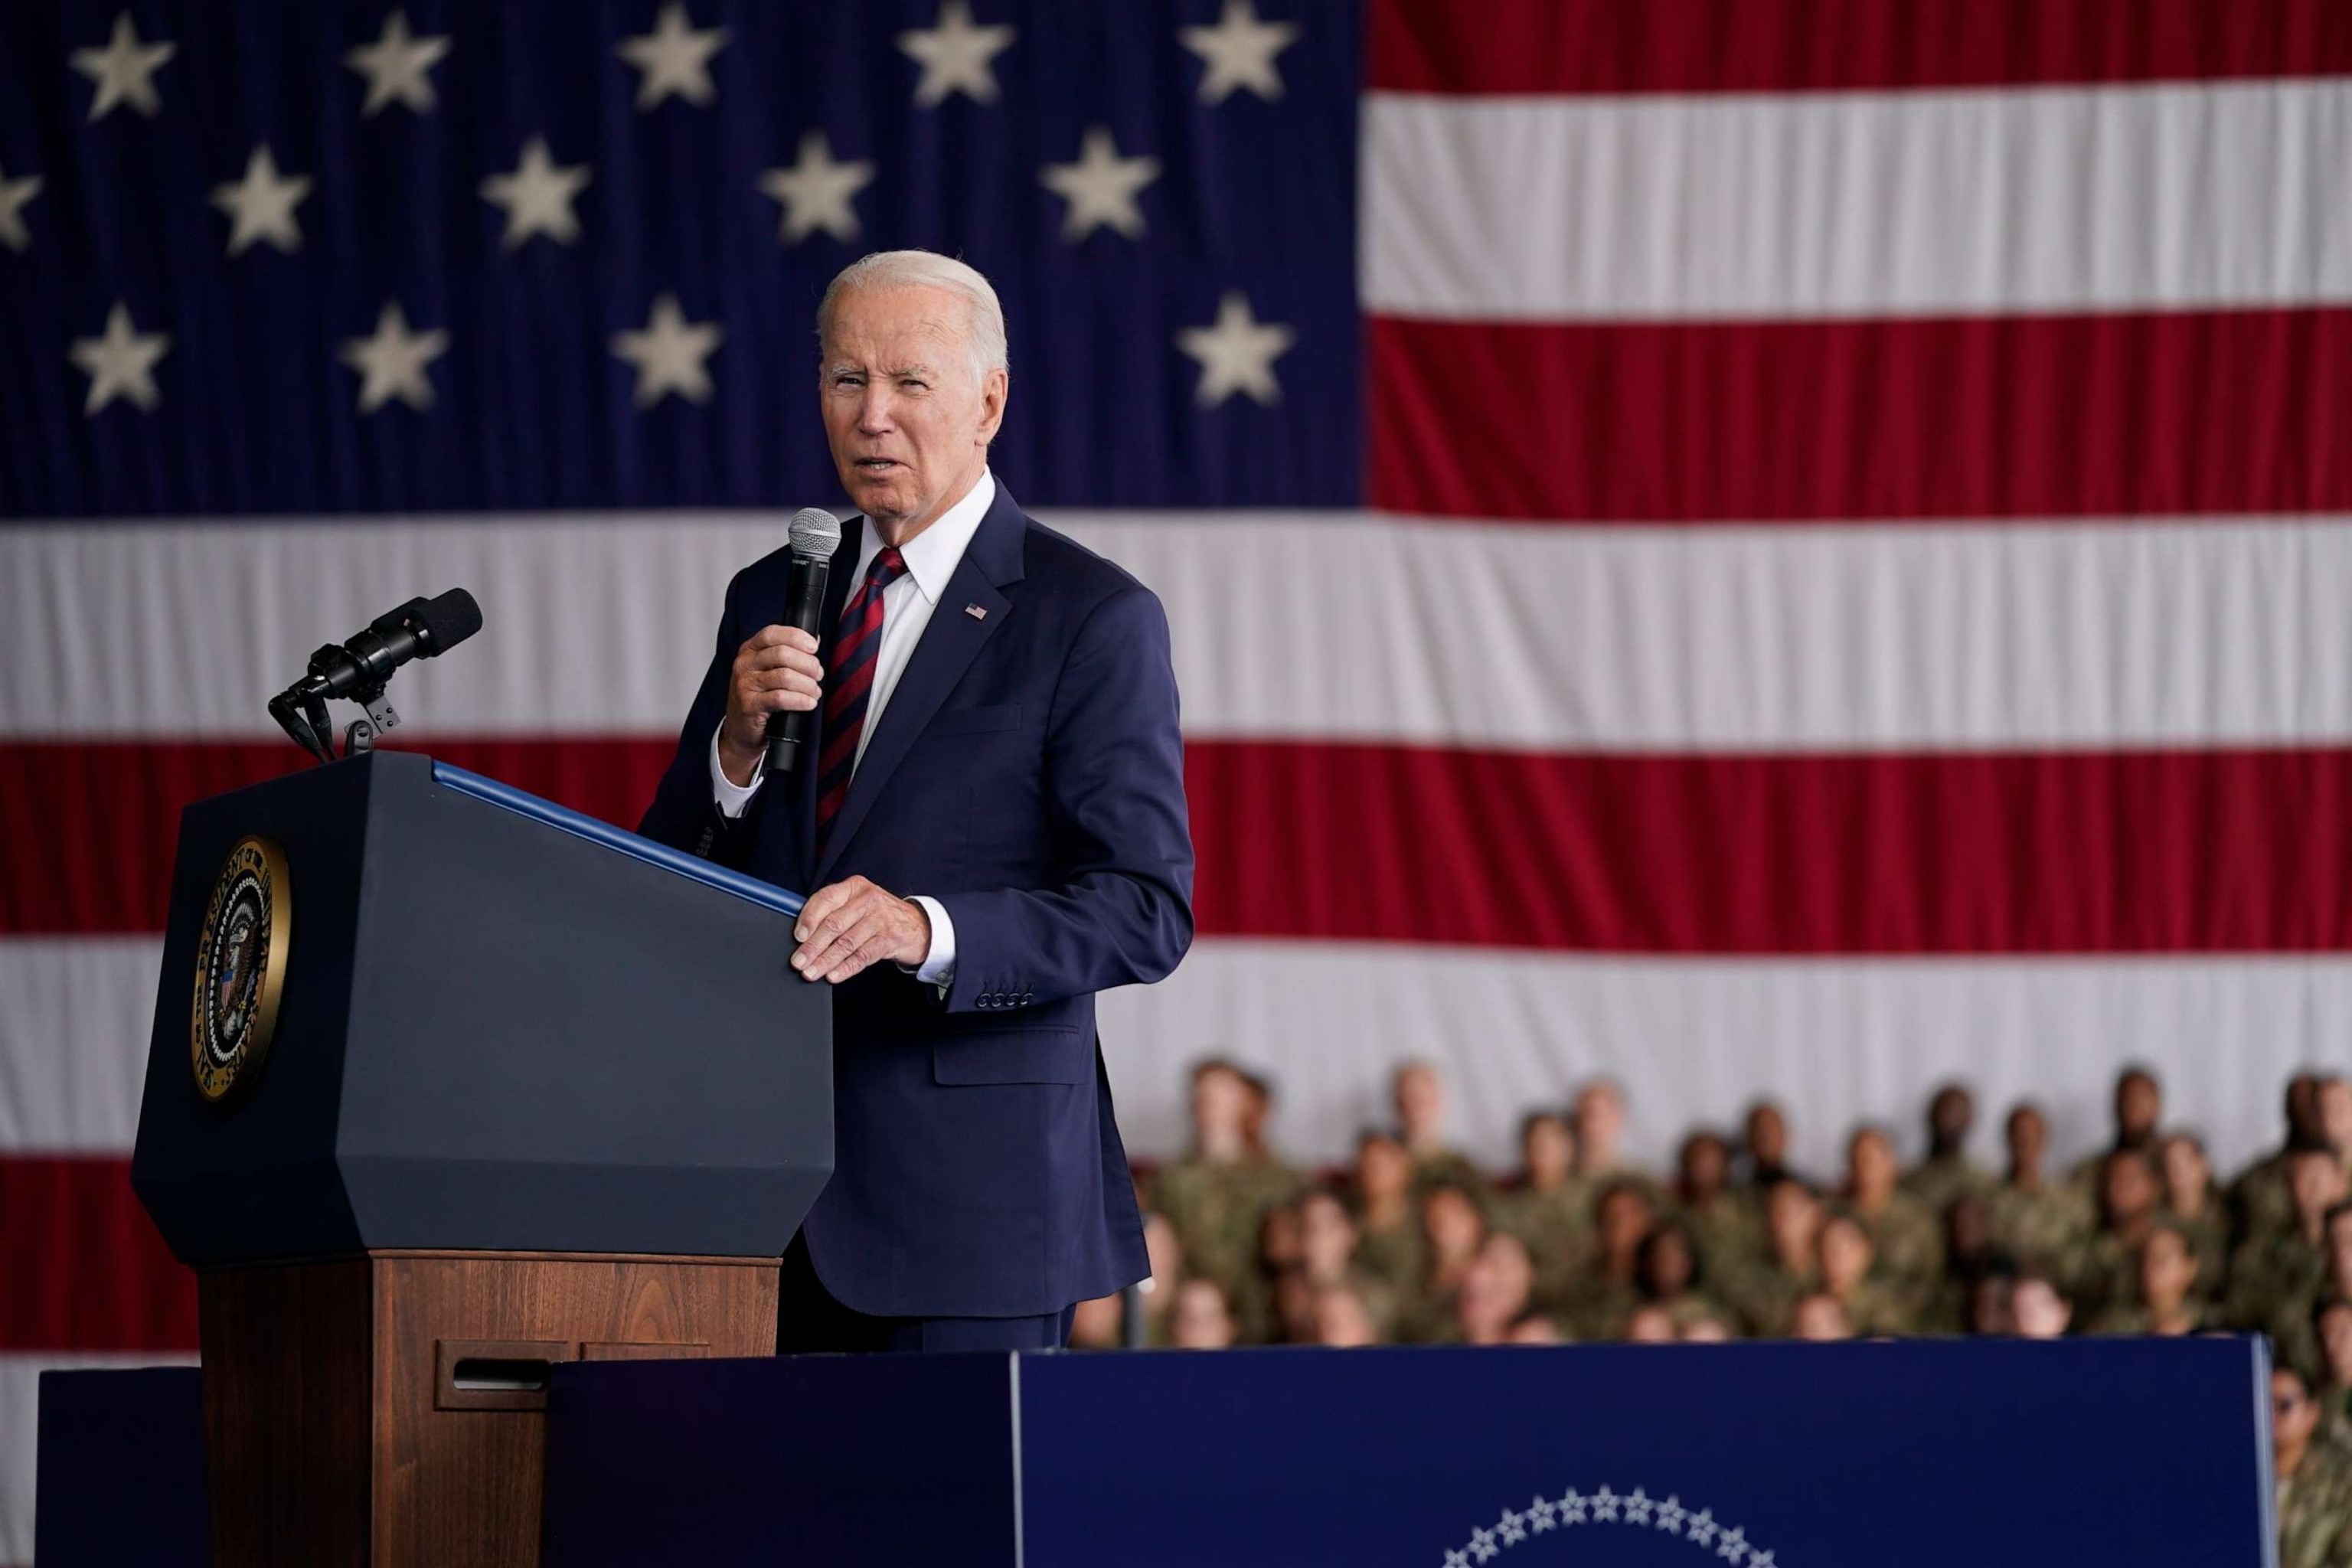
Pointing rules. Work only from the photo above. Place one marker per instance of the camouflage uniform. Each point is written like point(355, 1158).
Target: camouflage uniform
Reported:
point(1557, 1229)
point(2100, 1273)
point(2314, 1509)
point(2208, 1238)
point(1444, 1168)
point(1729, 1231)
point(2039, 1225)
point(1937, 1180)
point(1394, 1257)
point(2135, 1319)
point(1599, 1308)
point(2260, 1201)
point(1909, 1246)
point(1873, 1309)
point(1217, 1209)
point(1766, 1296)
point(2274, 1280)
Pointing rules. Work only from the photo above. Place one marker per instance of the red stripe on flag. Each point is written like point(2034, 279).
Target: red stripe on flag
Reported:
point(2147, 852)
point(88, 835)
point(1999, 417)
point(86, 1269)
point(1783, 46)
point(1941, 853)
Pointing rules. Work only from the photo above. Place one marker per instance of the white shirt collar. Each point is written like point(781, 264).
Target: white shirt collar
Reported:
point(932, 555)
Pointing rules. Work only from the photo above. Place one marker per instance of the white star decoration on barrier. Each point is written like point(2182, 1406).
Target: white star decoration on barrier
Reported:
point(1639, 1510)
point(261, 204)
point(668, 354)
point(392, 360)
point(674, 58)
point(1237, 353)
point(1101, 187)
point(14, 195)
point(956, 55)
point(1239, 51)
point(816, 192)
point(121, 363)
point(396, 66)
point(125, 70)
point(538, 196)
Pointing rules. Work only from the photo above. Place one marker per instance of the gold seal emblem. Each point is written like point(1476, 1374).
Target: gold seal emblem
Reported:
point(240, 967)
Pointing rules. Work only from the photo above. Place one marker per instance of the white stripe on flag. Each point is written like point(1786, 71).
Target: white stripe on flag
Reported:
point(2218, 632)
point(1839, 204)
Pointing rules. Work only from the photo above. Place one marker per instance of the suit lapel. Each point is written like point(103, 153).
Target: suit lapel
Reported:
point(950, 641)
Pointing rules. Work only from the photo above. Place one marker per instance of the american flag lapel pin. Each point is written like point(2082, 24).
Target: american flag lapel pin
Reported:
point(975, 612)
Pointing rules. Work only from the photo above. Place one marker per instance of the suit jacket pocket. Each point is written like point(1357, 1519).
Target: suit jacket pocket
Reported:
point(1012, 1056)
point(974, 721)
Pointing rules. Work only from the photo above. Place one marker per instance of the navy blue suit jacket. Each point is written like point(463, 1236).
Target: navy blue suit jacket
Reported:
point(1027, 773)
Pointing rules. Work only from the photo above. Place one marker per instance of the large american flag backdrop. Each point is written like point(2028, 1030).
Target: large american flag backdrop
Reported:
point(1788, 545)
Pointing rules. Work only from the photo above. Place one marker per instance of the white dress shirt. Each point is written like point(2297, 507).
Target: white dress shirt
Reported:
point(931, 558)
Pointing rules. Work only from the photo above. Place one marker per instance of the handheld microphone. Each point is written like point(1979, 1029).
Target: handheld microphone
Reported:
point(816, 534)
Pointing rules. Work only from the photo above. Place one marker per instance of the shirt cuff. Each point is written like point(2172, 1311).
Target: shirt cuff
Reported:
point(731, 798)
point(938, 967)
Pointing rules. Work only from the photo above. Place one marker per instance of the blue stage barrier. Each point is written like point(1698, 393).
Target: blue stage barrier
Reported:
point(1939, 1453)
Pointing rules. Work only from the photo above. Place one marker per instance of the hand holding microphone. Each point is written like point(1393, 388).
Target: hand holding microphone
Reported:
point(776, 680)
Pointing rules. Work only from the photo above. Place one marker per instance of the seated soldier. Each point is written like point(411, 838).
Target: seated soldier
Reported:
point(1327, 1256)
point(1419, 1097)
point(2258, 1198)
point(1670, 1276)
point(2035, 1220)
point(1550, 1206)
point(1845, 1259)
point(1388, 1221)
point(1766, 1294)
point(2037, 1310)
point(1905, 1237)
point(1218, 1195)
point(2275, 1279)
point(1969, 1256)
point(1494, 1295)
point(1764, 1145)
point(1948, 1172)
point(2168, 1302)
point(1201, 1319)
point(1820, 1316)
point(2102, 1273)
point(2314, 1501)
point(1607, 1295)
point(1452, 1229)
point(1723, 1220)
point(2331, 1327)
point(1598, 1119)
point(1293, 1303)
point(2193, 1201)
point(2139, 1107)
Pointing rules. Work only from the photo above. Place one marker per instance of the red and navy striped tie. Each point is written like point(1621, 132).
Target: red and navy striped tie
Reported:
point(856, 647)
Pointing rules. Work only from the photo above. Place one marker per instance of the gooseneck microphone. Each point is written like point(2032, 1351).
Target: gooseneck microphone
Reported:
point(816, 534)
point(420, 628)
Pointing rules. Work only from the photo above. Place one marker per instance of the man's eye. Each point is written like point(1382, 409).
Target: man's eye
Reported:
point(911, 384)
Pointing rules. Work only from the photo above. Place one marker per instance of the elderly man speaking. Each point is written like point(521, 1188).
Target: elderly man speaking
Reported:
point(993, 818)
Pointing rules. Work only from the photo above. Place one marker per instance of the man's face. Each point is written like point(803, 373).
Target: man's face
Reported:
point(909, 421)
point(1452, 1223)
point(2185, 1170)
point(1870, 1160)
point(2138, 1106)
point(2167, 1269)
point(1705, 1160)
point(1624, 1220)
point(1600, 1118)
point(1767, 1135)
point(2336, 1113)
point(1220, 1105)
point(2318, 1183)
point(1383, 1170)
point(2128, 1188)
point(2026, 1133)
point(1549, 1151)
point(1950, 1112)
point(1327, 1237)
point(1420, 1101)
point(1845, 1255)
point(1795, 1216)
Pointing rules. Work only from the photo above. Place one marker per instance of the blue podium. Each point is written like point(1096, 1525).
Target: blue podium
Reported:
point(1924, 1454)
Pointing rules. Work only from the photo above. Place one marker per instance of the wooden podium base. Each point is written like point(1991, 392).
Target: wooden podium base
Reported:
point(390, 1409)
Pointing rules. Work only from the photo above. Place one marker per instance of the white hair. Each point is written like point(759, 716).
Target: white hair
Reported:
point(984, 317)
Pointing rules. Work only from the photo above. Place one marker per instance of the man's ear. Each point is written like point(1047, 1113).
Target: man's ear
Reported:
point(994, 387)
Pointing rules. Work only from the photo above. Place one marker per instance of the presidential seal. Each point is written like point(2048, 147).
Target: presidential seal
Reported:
point(240, 968)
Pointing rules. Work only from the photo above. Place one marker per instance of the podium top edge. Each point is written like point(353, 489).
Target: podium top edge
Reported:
point(563, 819)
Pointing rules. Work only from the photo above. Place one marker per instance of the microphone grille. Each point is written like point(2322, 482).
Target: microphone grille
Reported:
point(815, 532)
point(449, 620)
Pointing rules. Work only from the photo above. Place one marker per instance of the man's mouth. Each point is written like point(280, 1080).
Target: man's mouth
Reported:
point(876, 465)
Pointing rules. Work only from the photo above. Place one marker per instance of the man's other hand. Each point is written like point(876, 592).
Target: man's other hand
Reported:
point(850, 925)
point(775, 672)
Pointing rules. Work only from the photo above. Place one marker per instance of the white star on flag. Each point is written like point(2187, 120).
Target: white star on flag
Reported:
point(121, 363)
point(1733, 1546)
point(1702, 1527)
point(668, 354)
point(14, 195)
point(1454, 1558)
point(1638, 1505)
point(538, 196)
point(956, 55)
point(125, 70)
point(1101, 187)
point(674, 58)
point(1759, 1559)
point(1482, 1545)
point(1540, 1514)
point(1237, 354)
point(1605, 1506)
point(1671, 1513)
point(391, 361)
point(1511, 1527)
point(396, 66)
point(261, 204)
point(1240, 51)
point(816, 192)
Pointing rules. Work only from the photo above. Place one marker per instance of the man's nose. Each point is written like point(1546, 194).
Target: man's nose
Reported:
point(874, 411)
